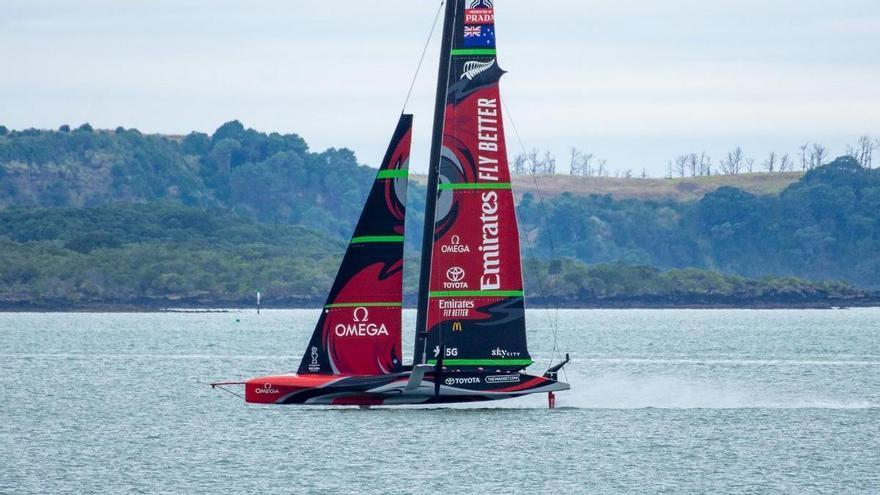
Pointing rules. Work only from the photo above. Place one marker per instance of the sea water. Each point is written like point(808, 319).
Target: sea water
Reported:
point(662, 401)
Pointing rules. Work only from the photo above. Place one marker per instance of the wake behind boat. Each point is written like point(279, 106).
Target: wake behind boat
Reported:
point(470, 329)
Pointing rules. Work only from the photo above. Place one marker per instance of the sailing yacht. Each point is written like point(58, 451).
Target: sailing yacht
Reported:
point(470, 338)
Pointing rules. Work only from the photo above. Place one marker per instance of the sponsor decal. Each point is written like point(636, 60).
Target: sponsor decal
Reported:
point(455, 246)
point(504, 353)
point(314, 366)
point(455, 278)
point(479, 12)
point(479, 16)
point(502, 379)
point(267, 389)
point(456, 308)
point(487, 138)
point(474, 68)
point(491, 277)
point(455, 274)
point(479, 36)
point(470, 380)
point(361, 326)
point(450, 351)
point(457, 327)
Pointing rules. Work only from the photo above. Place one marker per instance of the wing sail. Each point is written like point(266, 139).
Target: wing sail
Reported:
point(475, 304)
point(359, 332)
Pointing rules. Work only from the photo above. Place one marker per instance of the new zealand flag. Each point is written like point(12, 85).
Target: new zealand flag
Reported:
point(482, 36)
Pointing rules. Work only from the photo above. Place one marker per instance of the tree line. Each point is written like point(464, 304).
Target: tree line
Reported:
point(698, 164)
point(823, 227)
point(163, 255)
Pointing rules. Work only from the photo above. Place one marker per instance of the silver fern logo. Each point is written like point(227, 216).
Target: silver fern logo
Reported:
point(473, 68)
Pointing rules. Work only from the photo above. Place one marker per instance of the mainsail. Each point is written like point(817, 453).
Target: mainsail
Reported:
point(475, 313)
point(359, 332)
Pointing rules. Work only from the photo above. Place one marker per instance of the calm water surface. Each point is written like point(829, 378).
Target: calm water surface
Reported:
point(676, 401)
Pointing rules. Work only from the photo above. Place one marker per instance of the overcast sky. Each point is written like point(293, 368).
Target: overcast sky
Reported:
point(633, 81)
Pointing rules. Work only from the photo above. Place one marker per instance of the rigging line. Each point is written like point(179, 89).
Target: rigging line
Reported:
point(555, 321)
point(412, 85)
point(534, 270)
point(228, 391)
point(533, 261)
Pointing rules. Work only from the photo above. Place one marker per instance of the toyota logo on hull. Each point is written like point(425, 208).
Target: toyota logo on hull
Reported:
point(470, 380)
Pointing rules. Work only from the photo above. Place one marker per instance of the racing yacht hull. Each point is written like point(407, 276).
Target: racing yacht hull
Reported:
point(395, 389)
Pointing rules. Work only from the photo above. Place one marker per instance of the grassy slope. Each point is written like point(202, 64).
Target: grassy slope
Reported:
point(678, 189)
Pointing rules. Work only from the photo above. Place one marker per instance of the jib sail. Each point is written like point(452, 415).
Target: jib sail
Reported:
point(475, 307)
point(359, 332)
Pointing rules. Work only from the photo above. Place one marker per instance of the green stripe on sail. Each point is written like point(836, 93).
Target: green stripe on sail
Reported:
point(484, 362)
point(370, 239)
point(364, 305)
point(392, 174)
point(486, 52)
point(472, 186)
point(477, 293)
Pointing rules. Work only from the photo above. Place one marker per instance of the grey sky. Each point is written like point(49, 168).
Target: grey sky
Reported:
point(635, 82)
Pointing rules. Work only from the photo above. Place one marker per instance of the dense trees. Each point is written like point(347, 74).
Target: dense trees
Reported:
point(157, 254)
point(162, 255)
point(268, 177)
point(245, 190)
point(826, 226)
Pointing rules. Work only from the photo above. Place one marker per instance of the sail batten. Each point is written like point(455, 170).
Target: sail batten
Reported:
point(374, 239)
point(473, 186)
point(484, 362)
point(477, 293)
point(472, 52)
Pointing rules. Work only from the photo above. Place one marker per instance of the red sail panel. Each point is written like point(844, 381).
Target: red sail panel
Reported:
point(360, 329)
point(475, 308)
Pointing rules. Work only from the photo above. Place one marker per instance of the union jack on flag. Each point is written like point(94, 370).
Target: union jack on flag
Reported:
point(473, 31)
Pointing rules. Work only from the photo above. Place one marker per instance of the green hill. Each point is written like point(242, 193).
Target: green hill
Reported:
point(157, 255)
point(825, 226)
point(268, 177)
point(162, 255)
point(66, 196)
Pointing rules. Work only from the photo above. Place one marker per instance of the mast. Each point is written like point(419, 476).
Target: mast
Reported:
point(433, 180)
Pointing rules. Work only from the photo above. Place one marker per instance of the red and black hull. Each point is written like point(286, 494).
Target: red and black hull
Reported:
point(395, 389)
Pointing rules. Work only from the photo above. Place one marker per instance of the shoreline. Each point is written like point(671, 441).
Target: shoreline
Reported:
point(594, 305)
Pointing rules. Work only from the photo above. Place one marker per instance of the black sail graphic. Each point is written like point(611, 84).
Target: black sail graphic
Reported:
point(359, 332)
point(475, 306)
